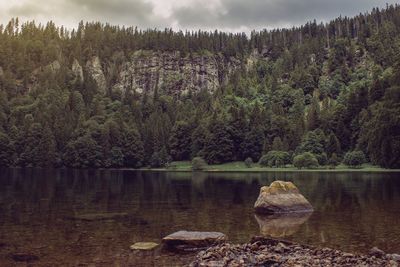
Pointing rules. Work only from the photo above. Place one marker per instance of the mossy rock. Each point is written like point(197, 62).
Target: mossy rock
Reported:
point(281, 197)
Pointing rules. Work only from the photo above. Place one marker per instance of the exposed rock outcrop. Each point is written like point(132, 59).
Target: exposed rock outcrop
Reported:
point(94, 69)
point(174, 74)
point(281, 197)
point(77, 71)
point(54, 66)
point(186, 240)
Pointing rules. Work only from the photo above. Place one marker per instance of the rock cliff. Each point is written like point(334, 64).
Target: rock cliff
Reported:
point(95, 70)
point(172, 73)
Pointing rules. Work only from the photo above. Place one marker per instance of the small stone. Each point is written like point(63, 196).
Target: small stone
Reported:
point(376, 252)
point(395, 257)
point(281, 248)
point(144, 246)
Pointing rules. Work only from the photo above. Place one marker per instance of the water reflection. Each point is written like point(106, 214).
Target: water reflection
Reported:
point(353, 211)
point(281, 225)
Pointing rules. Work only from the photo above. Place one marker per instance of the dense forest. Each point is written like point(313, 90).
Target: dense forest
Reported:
point(319, 93)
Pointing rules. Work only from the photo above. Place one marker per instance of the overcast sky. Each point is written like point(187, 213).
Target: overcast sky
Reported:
point(227, 15)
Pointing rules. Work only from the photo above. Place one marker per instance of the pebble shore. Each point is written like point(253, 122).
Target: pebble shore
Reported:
point(270, 252)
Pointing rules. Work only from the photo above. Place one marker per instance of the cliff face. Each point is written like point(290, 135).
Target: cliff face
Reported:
point(173, 74)
point(94, 69)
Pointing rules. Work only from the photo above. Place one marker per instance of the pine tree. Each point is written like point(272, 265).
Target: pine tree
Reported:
point(333, 145)
point(179, 142)
point(132, 149)
point(6, 151)
point(219, 144)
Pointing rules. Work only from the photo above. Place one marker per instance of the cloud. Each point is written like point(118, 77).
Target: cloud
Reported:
point(229, 15)
point(257, 14)
point(70, 12)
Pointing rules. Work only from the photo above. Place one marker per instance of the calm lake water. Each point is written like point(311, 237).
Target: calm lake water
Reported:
point(39, 210)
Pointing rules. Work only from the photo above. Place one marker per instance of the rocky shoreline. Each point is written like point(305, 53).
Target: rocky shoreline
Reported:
point(262, 251)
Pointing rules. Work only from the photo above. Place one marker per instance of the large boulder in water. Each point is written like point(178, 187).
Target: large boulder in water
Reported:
point(186, 240)
point(281, 197)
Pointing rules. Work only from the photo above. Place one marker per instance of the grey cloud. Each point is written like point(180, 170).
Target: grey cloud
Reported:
point(256, 14)
point(230, 14)
point(127, 12)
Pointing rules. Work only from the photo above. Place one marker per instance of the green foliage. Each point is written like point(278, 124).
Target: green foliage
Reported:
point(306, 160)
point(36, 146)
point(275, 159)
point(380, 130)
point(199, 164)
point(248, 162)
point(198, 141)
point(6, 151)
point(159, 159)
point(132, 149)
point(219, 144)
point(83, 152)
point(116, 157)
point(253, 143)
point(314, 142)
point(179, 142)
point(333, 161)
point(354, 159)
point(333, 145)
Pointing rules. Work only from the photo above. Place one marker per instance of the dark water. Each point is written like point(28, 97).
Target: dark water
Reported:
point(353, 212)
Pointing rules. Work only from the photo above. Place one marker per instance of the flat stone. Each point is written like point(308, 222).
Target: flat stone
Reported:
point(98, 216)
point(187, 239)
point(281, 197)
point(144, 246)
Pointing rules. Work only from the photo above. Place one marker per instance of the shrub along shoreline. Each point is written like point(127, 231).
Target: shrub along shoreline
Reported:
point(186, 166)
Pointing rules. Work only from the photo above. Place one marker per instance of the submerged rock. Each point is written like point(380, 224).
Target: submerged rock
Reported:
point(24, 257)
point(144, 246)
point(281, 225)
point(186, 240)
point(99, 216)
point(281, 197)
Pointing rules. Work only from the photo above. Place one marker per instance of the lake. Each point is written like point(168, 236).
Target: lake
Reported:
point(53, 216)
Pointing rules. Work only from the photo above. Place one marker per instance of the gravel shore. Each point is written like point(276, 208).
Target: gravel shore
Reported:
point(270, 252)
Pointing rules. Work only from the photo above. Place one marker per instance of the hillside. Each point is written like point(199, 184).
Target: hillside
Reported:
point(110, 96)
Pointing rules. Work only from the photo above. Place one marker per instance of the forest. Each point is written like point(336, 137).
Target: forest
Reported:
point(321, 94)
